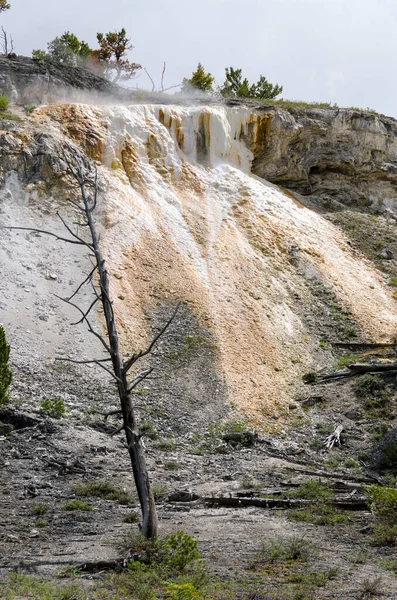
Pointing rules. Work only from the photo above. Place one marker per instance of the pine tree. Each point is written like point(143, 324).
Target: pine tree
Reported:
point(200, 80)
point(112, 55)
point(4, 5)
point(236, 86)
point(5, 373)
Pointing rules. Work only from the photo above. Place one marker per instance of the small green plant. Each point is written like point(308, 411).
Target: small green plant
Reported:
point(369, 385)
point(320, 514)
point(390, 564)
point(280, 550)
point(39, 509)
point(166, 445)
point(171, 465)
point(393, 282)
point(102, 489)
point(160, 492)
point(5, 373)
point(323, 343)
point(312, 489)
point(346, 359)
point(146, 428)
point(182, 591)
point(76, 505)
point(40, 56)
point(383, 502)
point(54, 408)
point(29, 108)
point(173, 552)
point(132, 517)
point(3, 103)
point(348, 332)
point(371, 587)
point(387, 460)
point(309, 377)
point(41, 523)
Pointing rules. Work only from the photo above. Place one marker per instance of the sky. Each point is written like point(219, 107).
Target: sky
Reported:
point(339, 51)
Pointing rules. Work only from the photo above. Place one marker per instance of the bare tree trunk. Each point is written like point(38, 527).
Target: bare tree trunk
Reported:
point(135, 449)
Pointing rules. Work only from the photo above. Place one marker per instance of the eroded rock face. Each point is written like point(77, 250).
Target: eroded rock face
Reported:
point(27, 81)
point(346, 155)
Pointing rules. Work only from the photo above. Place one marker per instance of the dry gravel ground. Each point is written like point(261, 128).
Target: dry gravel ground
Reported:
point(41, 462)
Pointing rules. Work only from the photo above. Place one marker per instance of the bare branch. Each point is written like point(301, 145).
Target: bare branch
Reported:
point(84, 362)
point(117, 431)
point(57, 237)
point(110, 413)
point(153, 84)
point(85, 315)
point(162, 77)
point(127, 366)
point(86, 280)
point(100, 338)
point(138, 379)
point(72, 233)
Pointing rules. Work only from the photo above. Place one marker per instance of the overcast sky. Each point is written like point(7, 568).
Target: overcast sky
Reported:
point(342, 51)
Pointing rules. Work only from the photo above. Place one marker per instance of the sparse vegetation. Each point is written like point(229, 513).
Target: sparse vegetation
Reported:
point(387, 460)
point(321, 514)
point(102, 489)
point(309, 377)
point(30, 108)
point(384, 507)
point(3, 103)
point(370, 587)
point(312, 489)
point(54, 407)
point(166, 445)
point(76, 505)
point(39, 509)
point(280, 550)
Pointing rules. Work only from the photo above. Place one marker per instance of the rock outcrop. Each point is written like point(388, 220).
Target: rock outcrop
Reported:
point(29, 81)
point(336, 154)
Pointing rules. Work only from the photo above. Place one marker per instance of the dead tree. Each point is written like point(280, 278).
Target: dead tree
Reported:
point(86, 178)
point(6, 42)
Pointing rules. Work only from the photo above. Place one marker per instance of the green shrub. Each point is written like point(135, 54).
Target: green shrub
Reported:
point(387, 460)
point(29, 108)
point(132, 517)
point(166, 445)
point(309, 377)
point(182, 591)
point(312, 489)
point(321, 514)
point(346, 359)
point(39, 509)
point(102, 489)
point(5, 373)
point(3, 103)
point(172, 553)
point(76, 505)
point(54, 408)
point(383, 502)
point(369, 385)
point(384, 507)
point(279, 550)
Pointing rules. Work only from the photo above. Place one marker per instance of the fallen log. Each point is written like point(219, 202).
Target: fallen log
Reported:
point(356, 504)
point(372, 367)
point(355, 369)
point(365, 344)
